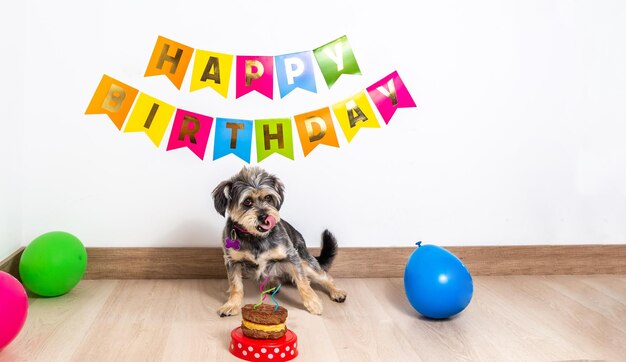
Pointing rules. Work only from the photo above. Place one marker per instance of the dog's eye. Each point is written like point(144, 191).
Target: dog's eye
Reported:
point(268, 198)
point(247, 202)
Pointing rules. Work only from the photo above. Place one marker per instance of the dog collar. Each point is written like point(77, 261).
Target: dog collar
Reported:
point(233, 242)
point(240, 229)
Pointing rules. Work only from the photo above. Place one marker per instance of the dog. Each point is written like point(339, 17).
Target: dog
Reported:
point(257, 242)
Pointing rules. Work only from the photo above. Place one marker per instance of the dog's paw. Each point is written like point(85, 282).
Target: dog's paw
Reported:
point(229, 309)
point(338, 296)
point(314, 306)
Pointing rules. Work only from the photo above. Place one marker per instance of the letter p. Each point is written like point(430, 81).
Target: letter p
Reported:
point(294, 67)
point(256, 74)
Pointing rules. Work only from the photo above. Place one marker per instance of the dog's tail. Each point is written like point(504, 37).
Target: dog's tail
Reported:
point(329, 250)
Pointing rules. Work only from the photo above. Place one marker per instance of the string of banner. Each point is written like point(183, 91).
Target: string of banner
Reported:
point(252, 73)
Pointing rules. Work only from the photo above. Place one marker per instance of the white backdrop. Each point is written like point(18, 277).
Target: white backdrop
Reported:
point(11, 119)
point(518, 137)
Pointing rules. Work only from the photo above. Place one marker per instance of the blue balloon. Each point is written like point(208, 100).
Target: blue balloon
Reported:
point(436, 282)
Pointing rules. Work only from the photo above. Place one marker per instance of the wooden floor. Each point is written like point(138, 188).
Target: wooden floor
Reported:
point(533, 318)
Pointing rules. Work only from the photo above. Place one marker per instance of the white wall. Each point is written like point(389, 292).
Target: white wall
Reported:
point(11, 120)
point(517, 138)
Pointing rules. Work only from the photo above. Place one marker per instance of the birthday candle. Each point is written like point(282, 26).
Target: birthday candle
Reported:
point(265, 292)
point(276, 291)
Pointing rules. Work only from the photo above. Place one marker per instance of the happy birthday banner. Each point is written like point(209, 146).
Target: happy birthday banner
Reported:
point(143, 113)
point(254, 72)
point(234, 136)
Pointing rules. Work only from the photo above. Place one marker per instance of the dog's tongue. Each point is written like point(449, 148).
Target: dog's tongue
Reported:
point(269, 223)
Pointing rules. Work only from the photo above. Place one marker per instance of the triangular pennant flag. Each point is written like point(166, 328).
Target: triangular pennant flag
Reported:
point(295, 71)
point(211, 70)
point(190, 130)
point(316, 128)
point(232, 136)
point(255, 73)
point(355, 113)
point(112, 98)
point(273, 136)
point(151, 116)
point(336, 58)
point(171, 59)
point(389, 94)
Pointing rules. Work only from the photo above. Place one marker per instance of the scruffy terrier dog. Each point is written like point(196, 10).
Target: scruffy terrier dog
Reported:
point(258, 243)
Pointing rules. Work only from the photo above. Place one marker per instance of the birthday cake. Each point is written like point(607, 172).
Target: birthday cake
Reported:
point(263, 322)
point(263, 335)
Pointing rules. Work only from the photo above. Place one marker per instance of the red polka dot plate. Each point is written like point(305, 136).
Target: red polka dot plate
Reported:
point(267, 350)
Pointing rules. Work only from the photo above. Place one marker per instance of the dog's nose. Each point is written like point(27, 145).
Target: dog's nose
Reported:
point(262, 218)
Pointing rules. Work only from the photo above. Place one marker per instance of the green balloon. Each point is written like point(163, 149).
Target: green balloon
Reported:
point(53, 263)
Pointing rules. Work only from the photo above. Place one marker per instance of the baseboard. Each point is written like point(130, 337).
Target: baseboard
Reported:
point(200, 263)
point(11, 264)
point(158, 263)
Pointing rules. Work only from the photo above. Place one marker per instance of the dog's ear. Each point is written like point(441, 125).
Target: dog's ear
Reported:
point(280, 189)
point(221, 196)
